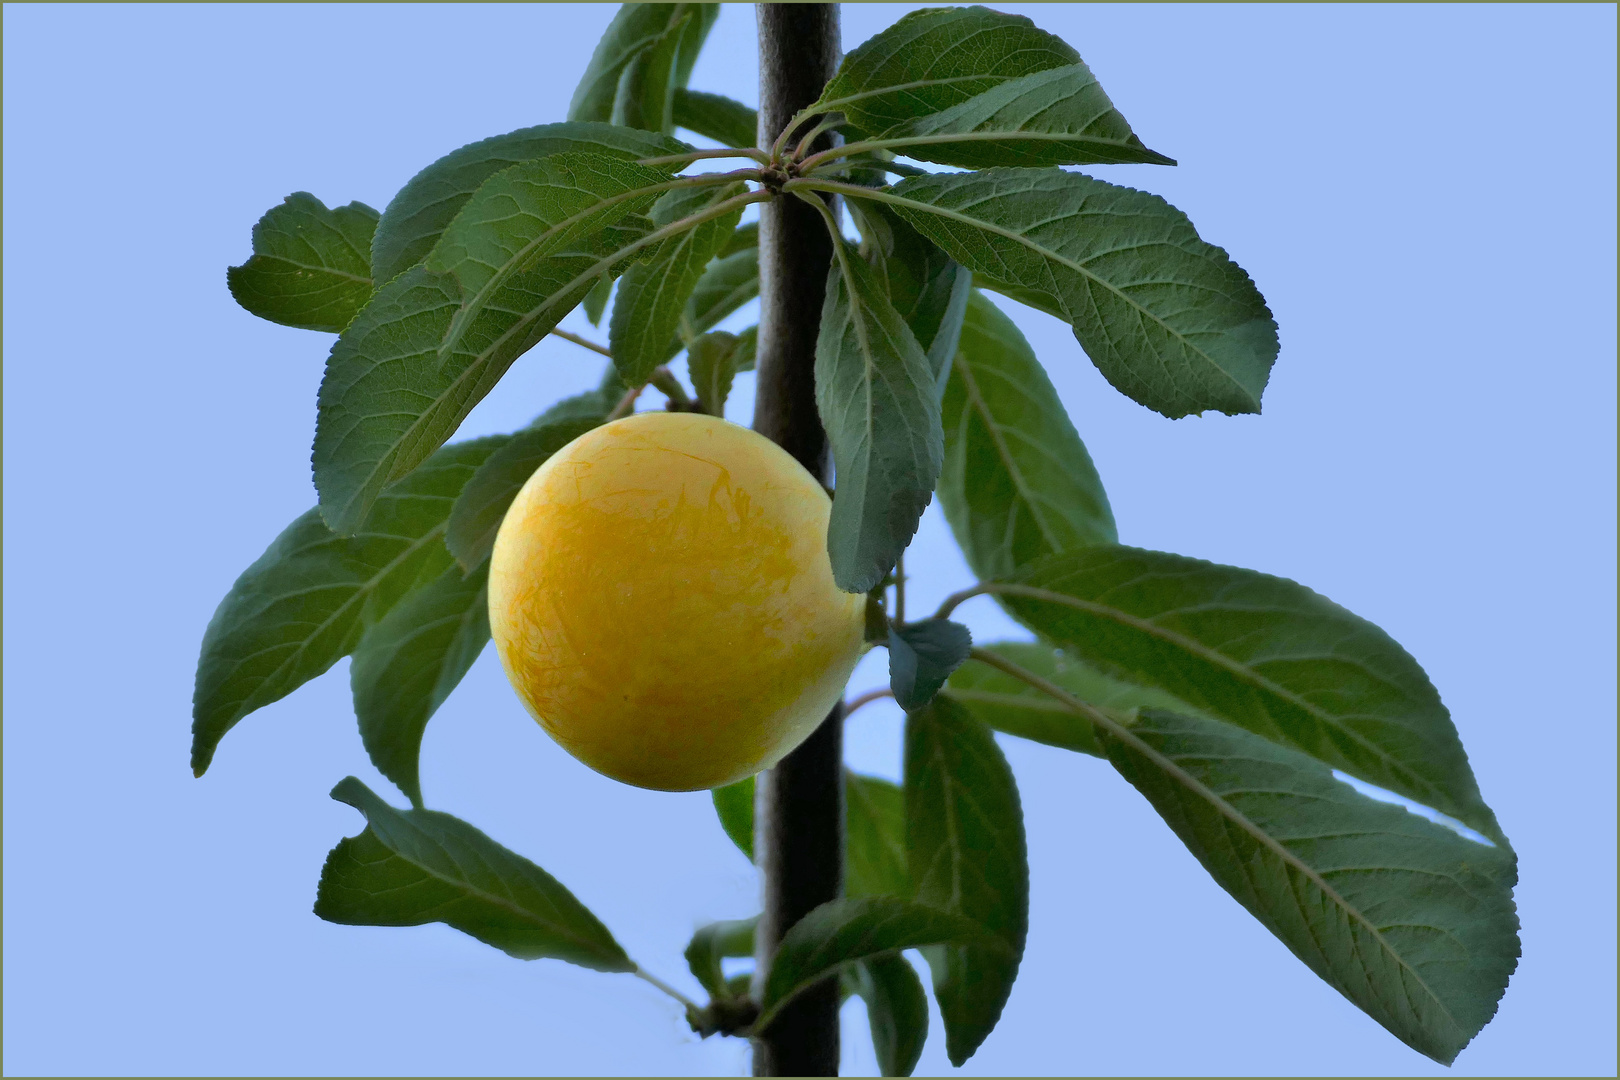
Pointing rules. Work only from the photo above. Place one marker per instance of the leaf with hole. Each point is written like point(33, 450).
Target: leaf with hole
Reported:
point(304, 604)
point(409, 661)
point(877, 400)
point(1261, 652)
point(476, 516)
point(413, 867)
point(1168, 319)
point(922, 656)
point(965, 848)
point(311, 267)
point(418, 215)
point(1410, 921)
point(1017, 482)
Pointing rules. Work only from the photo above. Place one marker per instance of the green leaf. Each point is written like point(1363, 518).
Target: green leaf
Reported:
point(922, 656)
point(965, 848)
point(416, 217)
point(479, 509)
point(654, 294)
point(874, 837)
point(311, 267)
point(934, 59)
point(305, 602)
point(744, 237)
point(896, 1010)
point(645, 96)
point(1059, 116)
point(1012, 706)
point(409, 662)
point(926, 286)
point(877, 401)
point(841, 932)
point(1170, 320)
point(436, 339)
point(734, 804)
point(413, 867)
point(1261, 652)
point(1411, 922)
point(596, 301)
point(727, 283)
point(590, 405)
point(645, 54)
point(727, 122)
point(1017, 482)
point(712, 362)
point(733, 938)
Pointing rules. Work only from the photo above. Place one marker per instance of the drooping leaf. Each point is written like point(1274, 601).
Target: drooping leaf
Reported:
point(877, 401)
point(1410, 921)
point(479, 509)
point(1016, 708)
point(412, 867)
point(436, 339)
point(596, 301)
point(734, 804)
point(896, 1010)
point(841, 932)
point(874, 837)
point(641, 36)
point(922, 656)
point(712, 362)
point(1017, 482)
point(311, 267)
point(1059, 116)
point(409, 661)
point(936, 58)
point(590, 405)
point(965, 849)
point(926, 286)
point(1261, 652)
point(726, 284)
point(653, 295)
point(1170, 320)
point(727, 122)
point(415, 218)
point(712, 943)
point(305, 602)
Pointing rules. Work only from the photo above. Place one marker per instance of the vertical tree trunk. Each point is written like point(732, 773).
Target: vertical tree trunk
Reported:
point(799, 807)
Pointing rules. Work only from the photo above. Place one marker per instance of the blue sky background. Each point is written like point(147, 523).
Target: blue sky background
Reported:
point(1426, 195)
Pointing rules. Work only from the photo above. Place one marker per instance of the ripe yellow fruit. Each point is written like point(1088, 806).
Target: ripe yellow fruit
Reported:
point(661, 600)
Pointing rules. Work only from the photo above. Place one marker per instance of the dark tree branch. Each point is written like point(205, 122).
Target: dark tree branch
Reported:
point(799, 818)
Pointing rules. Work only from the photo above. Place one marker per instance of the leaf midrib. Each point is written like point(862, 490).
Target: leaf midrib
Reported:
point(976, 399)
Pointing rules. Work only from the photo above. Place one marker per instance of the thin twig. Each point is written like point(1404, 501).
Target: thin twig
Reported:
point(585, 342)
point(643, 974)
point(626, 405)
point(866, 699)
point(954, 600)
point(664, 381)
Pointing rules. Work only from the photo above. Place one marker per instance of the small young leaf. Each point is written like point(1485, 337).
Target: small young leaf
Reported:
point(409, 662)
point(596, 301)
point(936, 58)
point(436, 339)
point(479, 509)
point(303, 605)
point(877, 400)
point(1014, 707)
point(635, 31)
point(922, 656)
point(841, 932)
point(311, 267)
point(653, 295)
point(712, 361)
point(1170, 320)
point(727, 122)
point(896, 1010)
point(1059, 116)
point(1261, 652)
point(926, 286)
point(412, 867)
point(734, 804)
point(1017, 482)
point(416, 217)
point(734, 938)
point(965, 848)
point(874, 838)
point(1410, 921)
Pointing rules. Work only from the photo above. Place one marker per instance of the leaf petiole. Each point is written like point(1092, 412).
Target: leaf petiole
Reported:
point(645, 976)
point(583, 342)
point(700, 155)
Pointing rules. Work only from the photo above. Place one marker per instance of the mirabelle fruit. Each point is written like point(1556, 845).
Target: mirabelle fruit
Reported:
point(661, 599)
